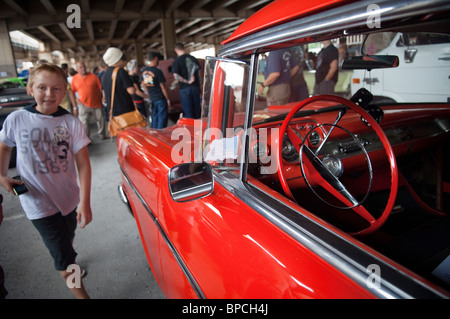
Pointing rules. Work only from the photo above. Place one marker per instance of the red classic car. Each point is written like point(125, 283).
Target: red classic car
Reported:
point(323, 197)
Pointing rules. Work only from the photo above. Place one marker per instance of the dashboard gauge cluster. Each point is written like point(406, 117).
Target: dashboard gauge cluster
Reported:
point(308, 129)
point(288, 150)
point(315, 138)
point(260, 150)
point(312, 131)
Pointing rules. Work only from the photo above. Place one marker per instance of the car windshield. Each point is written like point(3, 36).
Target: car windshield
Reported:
point(421, 74)
point(286, 77)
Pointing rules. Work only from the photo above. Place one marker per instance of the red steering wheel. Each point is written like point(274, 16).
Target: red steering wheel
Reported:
point(322, 174)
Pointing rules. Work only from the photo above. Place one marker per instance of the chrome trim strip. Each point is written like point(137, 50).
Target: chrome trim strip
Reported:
point(195, 286)
point(335, 23)
point(348, 258)
point(194, 191)
point(250, 103)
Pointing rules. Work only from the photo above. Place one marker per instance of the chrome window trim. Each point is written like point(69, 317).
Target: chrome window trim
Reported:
point(336, 22)
point(249, 109)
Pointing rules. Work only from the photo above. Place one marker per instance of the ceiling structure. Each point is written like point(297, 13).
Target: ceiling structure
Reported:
point(125, 24)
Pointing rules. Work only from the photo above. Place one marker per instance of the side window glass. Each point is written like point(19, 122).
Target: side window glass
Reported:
point(223, 112)
point(377, 42)
point(422, 38)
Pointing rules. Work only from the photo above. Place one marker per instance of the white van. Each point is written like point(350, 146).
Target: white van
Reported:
point(424, 57)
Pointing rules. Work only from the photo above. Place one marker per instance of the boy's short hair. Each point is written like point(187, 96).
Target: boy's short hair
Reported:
point(179, 46)
point(151, 55)
point(47, 67)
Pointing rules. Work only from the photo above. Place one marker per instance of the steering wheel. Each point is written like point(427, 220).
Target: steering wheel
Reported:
point(324, 176)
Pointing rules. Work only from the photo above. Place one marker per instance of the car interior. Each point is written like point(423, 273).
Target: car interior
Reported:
point(367, 164)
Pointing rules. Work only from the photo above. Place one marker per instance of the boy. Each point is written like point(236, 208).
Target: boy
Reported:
point(154, 80)
point(51, 147)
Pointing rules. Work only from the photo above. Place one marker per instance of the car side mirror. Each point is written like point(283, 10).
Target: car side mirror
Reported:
point(190, 181)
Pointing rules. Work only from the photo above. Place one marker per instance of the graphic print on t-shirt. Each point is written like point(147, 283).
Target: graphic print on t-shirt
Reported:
point(50, 148)
point(61, 139)
point(148, 78)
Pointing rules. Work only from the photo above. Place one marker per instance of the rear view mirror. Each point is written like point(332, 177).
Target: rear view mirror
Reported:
point(369, 62)
point(189, 181)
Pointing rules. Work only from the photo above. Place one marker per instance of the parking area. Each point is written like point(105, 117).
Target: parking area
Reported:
point(109, 248)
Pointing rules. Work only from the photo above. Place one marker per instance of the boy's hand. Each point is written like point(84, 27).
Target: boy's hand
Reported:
point(84, 216)
point(8, 183)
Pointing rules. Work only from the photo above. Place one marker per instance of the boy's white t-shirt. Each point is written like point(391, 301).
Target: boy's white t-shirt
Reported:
point(46, 148)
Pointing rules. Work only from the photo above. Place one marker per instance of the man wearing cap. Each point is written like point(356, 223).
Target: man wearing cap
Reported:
point(123, 102)
point(154, 80)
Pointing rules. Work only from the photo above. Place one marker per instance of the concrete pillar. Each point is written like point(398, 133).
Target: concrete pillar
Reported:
point(140, 58)
point(7, 61)
point(168, 35)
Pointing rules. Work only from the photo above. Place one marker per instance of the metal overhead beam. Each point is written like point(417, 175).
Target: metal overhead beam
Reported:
point(49, 34)
point(68, 33)
point(16, 7)
point(125, 23)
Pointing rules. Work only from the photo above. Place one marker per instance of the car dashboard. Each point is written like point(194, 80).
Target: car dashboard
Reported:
point(409, 129)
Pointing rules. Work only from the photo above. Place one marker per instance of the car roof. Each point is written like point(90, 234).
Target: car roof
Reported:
point(281, 11)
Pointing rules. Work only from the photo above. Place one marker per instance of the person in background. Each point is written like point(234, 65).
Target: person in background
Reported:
point(185, 69)
point(72, 73)
point(343, 51)
point(326, 69)
point(69, 102)
point(153, 79)
point(89, 90)
point(299, 88)
point(139, 96)
point(123, 102)
point(279, 70)
point(102, 68)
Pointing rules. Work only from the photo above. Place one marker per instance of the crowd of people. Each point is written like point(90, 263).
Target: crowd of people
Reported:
point(141, 86)
point(283, 73)
point(51, 138)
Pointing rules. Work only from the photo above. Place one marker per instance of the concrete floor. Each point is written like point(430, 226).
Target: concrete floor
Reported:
point(109, 248)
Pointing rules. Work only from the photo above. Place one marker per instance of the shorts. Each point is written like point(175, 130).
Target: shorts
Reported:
point(57, 232)
point(324, 87)
point(278, 94)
